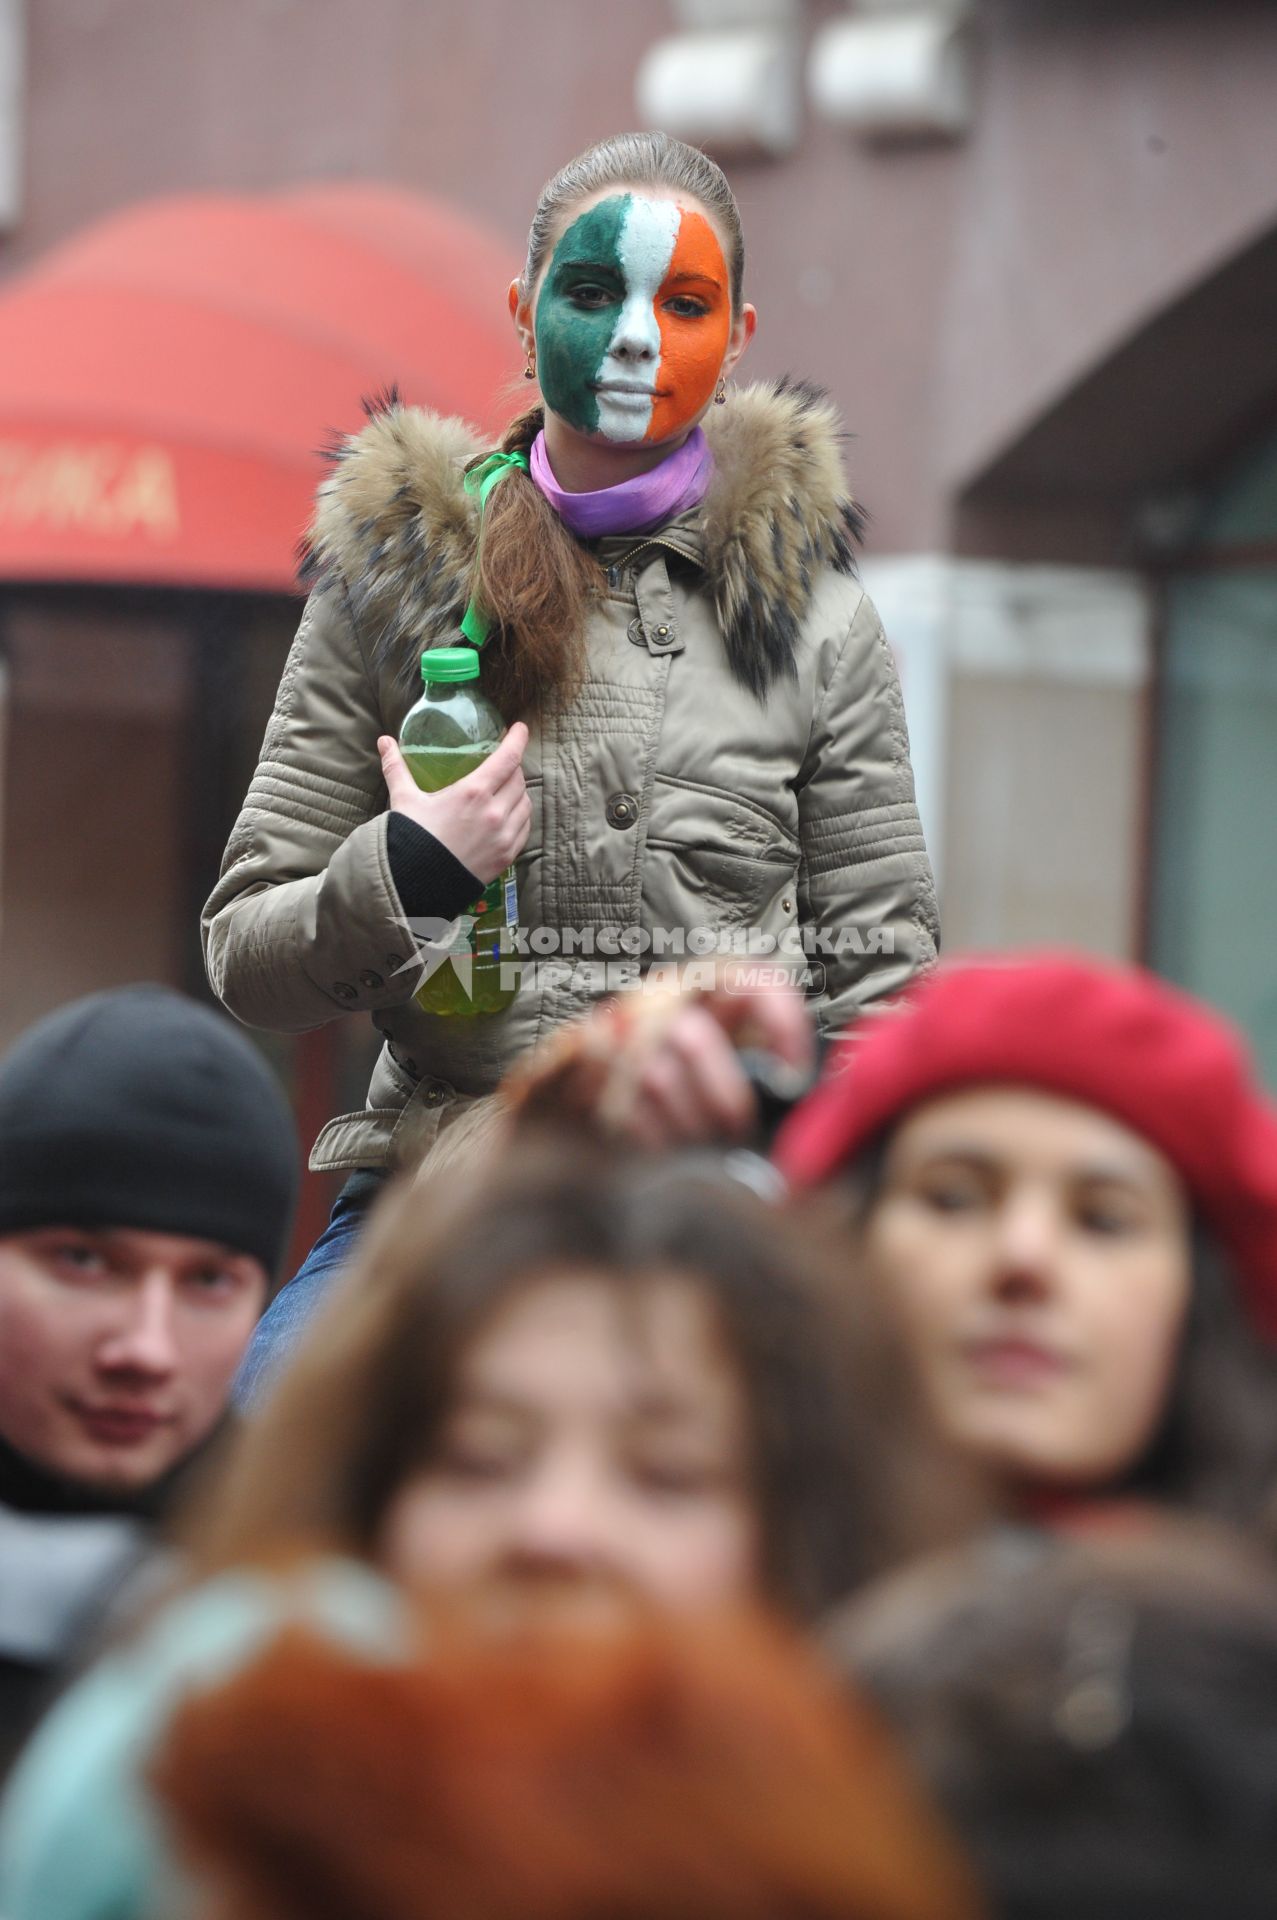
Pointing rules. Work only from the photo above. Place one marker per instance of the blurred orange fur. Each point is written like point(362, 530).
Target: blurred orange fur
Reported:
point(692, 1773)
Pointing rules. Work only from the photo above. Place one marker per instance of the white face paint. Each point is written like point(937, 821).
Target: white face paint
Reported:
point(627, 377)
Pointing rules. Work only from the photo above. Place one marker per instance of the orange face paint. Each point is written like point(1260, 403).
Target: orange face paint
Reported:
point(692, 345)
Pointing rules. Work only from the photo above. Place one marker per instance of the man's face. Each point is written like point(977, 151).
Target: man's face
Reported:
point(118, 1347)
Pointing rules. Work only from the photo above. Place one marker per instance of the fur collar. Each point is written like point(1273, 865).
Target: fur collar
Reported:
point(394, 526)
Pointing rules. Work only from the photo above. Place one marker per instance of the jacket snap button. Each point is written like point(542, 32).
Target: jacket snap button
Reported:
point(787, 906)
point(662, 633)
point(622, 810)
point(344, 990)
point(371, 980)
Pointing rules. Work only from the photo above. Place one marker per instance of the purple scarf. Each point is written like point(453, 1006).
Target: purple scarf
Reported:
point(681, 481)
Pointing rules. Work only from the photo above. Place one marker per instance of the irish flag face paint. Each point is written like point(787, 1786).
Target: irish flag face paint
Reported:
point(633, 319)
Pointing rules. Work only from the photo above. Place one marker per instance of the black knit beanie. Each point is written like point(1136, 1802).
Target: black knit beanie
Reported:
point(139, 1108)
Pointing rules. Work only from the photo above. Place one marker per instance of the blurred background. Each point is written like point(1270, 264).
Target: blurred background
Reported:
point(1030, 246)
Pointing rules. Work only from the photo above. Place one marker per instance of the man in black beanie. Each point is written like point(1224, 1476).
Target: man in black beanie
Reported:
point(148, 1173)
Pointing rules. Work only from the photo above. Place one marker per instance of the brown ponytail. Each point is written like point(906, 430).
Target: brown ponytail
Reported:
point(540, 583)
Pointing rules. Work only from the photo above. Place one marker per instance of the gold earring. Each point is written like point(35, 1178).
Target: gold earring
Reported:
point(530, 370)
point(720, 398)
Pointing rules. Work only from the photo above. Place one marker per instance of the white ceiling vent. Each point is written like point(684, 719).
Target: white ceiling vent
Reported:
point(736, 89)
point(898, 70)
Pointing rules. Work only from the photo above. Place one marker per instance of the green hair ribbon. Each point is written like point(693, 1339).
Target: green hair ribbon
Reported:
point(476, 622)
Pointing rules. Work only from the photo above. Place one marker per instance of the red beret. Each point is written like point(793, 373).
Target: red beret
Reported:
point(1108, 1036)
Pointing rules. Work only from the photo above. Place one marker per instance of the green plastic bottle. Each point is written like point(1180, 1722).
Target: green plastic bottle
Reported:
point(451, 731)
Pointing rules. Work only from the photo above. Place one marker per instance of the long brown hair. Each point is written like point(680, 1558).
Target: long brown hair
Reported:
point(537, 582)
point(362, 1407)
point(535, 578)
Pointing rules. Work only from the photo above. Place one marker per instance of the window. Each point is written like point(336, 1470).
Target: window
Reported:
point(1214, 926)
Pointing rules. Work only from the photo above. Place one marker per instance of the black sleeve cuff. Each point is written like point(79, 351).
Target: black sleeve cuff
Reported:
point(428, 879)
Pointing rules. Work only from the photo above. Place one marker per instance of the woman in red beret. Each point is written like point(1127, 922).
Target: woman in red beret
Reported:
point(1063, 1178)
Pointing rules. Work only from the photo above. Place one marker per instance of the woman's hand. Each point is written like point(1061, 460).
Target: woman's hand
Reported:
point(483, 819)
point(661, 1067)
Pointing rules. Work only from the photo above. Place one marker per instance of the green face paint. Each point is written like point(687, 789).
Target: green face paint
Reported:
point(577, 309)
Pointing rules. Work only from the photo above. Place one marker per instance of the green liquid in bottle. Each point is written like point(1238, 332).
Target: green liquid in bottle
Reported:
point(451, 731)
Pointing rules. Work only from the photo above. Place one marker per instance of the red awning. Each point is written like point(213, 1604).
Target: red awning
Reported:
point(167, 377)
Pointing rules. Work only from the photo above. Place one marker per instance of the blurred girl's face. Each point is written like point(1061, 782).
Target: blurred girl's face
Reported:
point(1038, 1253)
point(597, 1451)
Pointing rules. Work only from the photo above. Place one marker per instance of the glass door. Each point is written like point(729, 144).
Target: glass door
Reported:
point(1214, 899)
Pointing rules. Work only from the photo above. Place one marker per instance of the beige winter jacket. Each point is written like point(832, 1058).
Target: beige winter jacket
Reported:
point(736, 764)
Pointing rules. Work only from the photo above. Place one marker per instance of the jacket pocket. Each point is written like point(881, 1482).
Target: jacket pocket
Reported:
point(684, 810)
point(715, 859)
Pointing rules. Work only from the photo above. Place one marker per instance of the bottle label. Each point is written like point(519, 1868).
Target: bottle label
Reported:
point(496, 909)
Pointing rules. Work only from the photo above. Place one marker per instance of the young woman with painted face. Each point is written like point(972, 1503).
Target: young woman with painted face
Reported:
point(715, 742)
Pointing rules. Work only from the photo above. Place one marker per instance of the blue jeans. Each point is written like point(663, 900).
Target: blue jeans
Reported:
point(285, 1321)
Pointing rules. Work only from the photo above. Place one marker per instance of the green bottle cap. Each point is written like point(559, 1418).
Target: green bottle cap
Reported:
point(449, 663)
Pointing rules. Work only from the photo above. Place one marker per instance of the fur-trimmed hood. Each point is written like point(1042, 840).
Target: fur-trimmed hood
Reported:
point(395, 526)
